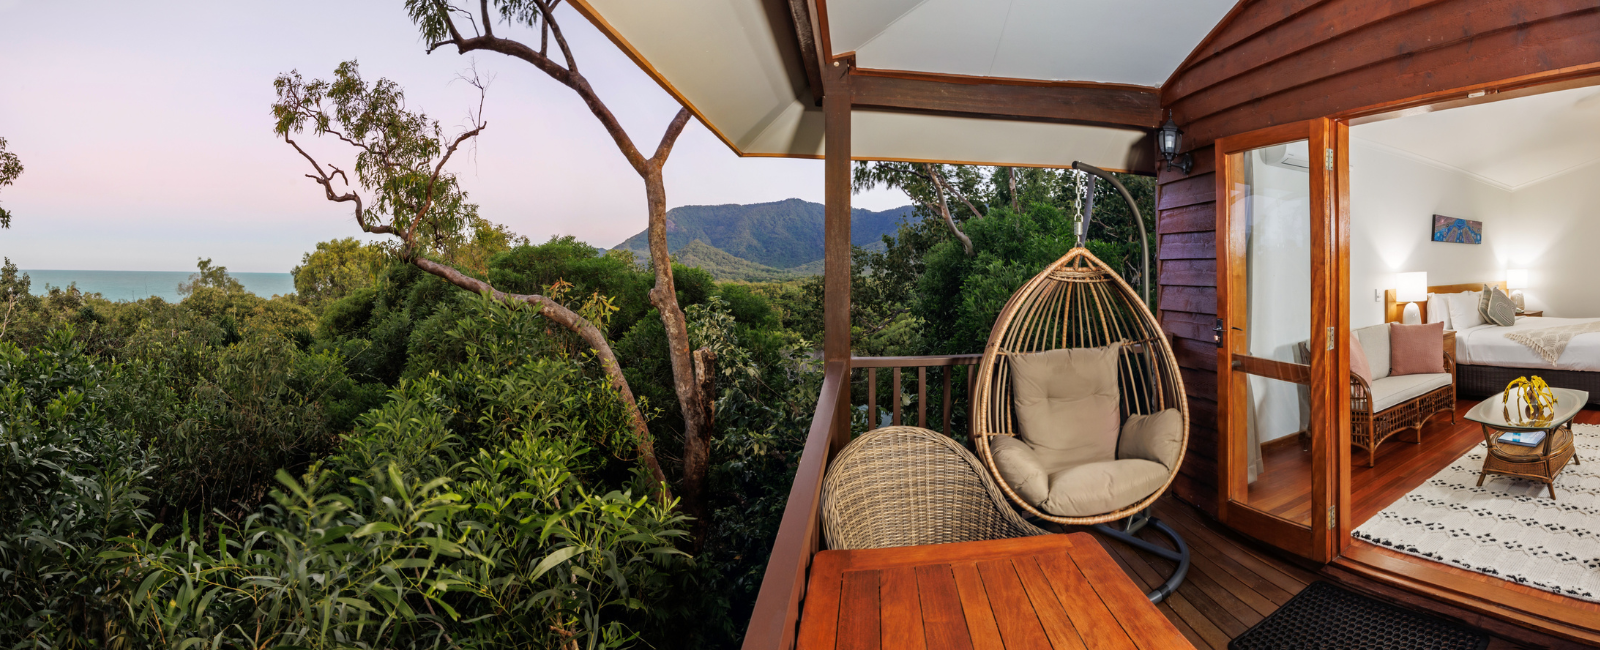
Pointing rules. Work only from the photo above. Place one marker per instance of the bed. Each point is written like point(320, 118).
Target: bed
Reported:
point(1486, 360)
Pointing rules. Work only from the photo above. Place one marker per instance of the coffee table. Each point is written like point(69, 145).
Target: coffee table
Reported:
point(1542, 462)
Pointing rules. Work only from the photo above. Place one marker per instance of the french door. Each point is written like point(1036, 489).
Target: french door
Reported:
point(1281, 243)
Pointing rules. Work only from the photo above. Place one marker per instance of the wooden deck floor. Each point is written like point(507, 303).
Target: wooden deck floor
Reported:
point(1233, 582)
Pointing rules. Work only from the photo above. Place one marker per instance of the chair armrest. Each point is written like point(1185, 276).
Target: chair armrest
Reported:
point(1450, 366)
point(1360, 390)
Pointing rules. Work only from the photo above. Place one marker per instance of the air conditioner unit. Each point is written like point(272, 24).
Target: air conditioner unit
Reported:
point(1294, 154)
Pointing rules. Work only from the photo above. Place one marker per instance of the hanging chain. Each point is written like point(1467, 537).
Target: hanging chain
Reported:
point(1080, 182)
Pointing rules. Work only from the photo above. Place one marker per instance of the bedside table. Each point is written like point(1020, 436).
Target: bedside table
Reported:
point(1532, 313)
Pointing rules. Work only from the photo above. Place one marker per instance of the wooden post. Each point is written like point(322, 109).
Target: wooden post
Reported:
point(836, 229)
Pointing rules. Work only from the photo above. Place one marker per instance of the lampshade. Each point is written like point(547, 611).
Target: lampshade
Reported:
point(1411, 287)
point(1517, 278)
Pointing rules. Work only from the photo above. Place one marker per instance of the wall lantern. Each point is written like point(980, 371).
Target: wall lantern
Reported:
point(1169, 141)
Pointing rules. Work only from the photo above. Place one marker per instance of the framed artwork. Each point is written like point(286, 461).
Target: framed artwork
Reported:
point(1457, 231)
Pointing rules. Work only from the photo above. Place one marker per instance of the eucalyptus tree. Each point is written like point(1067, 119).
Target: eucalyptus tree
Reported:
point(10, 169)
point(402, 188)
point(441, 25)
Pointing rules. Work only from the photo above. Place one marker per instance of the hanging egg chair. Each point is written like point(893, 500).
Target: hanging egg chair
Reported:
point(1079, 411)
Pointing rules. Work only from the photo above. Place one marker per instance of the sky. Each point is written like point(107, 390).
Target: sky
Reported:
point(146, 134)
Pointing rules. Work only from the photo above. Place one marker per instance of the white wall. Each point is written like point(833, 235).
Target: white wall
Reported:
point(1556, 236)
point(1393, 197)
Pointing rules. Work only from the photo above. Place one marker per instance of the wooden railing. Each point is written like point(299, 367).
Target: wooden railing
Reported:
point(777, 612)
point(946, 364)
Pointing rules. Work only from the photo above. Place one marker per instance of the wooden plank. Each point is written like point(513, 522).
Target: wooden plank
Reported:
point(1189, 273)
point(1116, 105)
point(805, 39)
point(1192, 189)
point(1211, 636)
point(1186, 246)
point(1296, 373)
point(1547, 47)
point(1322, 24)
point(1058, 626)
point(1199, 383)
point(1379, 37)
point(902, 611)
point(1189, 325)
point(1195, 300)
point(1239, 25)
point(1019, 625)
point(1202, 161)
point(944, 625)
point(1195, 354)
point(836, 225)
point(975, 607)
point(859, 610)
point(1102, 630)
point(820, 622)
point(929, 361)
point(1126, 602)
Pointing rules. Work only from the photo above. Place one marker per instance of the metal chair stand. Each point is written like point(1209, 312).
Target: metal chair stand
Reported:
point(1133, 525)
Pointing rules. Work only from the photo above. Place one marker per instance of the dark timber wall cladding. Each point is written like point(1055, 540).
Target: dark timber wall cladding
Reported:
point(1280, 61)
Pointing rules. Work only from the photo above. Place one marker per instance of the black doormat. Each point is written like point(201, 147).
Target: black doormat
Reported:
point(1325, 616)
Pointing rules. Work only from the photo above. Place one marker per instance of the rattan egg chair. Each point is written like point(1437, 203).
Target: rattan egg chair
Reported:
point(1079, 308)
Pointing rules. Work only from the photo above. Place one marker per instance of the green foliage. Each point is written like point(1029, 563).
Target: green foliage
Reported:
point(210, 277)
point(338, 268)
point(70, 482)
point(465, 512)
point(10, 169)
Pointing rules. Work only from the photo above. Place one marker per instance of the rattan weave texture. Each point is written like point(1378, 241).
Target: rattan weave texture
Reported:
point(1078, 302)
point(905, 486)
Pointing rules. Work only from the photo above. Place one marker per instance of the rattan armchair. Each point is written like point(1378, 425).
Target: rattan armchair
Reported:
point(1368, 428)
point(905, 486)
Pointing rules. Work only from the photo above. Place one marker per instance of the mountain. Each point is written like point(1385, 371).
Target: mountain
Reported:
point(725, 266)
point(779, 235)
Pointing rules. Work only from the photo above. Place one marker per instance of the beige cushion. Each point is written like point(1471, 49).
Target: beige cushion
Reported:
point(1021, 468)
point(1098, 488)
point(1066, 401)
point(1502, 310)
point(1375, 342)
point(1157, 437)
point(1390, 391)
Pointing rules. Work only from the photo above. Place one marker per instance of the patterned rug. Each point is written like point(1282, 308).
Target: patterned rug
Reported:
point(1509, 528)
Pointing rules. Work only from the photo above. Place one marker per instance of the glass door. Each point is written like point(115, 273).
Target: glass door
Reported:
point(1277, 267)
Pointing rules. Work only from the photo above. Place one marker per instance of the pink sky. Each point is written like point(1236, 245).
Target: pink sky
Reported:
point(147, 137)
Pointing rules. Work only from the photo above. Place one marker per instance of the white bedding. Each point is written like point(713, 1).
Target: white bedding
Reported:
point(1487, 345)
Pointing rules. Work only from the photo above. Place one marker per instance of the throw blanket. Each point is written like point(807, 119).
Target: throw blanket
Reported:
point(1550, 342)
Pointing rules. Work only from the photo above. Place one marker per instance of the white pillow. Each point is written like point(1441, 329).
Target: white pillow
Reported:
point(1464, 310)
point(1439, 310)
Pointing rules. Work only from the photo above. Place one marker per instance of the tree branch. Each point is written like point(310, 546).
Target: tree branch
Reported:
point(567, 77)
point(674, 129)
point(585, 330)
point(944, 210)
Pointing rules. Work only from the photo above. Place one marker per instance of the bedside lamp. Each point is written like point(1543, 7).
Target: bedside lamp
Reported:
point(1517, 280)
point(1411, 289)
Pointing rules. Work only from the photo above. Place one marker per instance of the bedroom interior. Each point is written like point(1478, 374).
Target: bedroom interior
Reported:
point(1514, 181)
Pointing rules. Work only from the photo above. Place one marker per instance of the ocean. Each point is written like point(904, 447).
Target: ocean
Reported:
point(138, 285)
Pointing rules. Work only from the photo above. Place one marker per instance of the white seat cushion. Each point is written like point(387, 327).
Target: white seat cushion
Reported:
point(1375, 342)
point(1390, 391)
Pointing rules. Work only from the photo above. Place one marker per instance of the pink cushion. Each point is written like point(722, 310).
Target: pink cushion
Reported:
point(1416, 349)
point(1358, 361)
